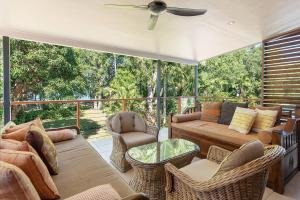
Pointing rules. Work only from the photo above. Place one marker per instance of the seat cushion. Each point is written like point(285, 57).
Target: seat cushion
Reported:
point(246, 153)
point(227, 111)
point(201, 170)
point(134, 139)
point(101, 192)
point(211, 111)
point(35, 169)
point(15, 184)
point(82, 168)
point(243, 120)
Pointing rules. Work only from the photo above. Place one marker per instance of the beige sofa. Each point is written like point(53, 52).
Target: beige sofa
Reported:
point(81, 168)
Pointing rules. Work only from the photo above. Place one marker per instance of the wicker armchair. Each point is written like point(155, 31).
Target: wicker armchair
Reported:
point(128, 130)
point(245, 182)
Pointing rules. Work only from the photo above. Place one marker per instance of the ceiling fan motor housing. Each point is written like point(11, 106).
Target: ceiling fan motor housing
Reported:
point(157, 7)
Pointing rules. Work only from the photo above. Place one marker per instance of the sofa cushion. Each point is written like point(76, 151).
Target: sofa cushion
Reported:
point(18, 134)
point(178, 118)
point(101, 192)
point(16, 145)
point(133, 139)
point(227, 111)
point(37, 122)
point(264, 120)
point(211, 111)
point(243, 120)
point(275, 108)
point(81, 168)
point(40, 141)
point(35, 169)
point(246, 153)
point(15, 184)
point(201, 170)
point(61, 135)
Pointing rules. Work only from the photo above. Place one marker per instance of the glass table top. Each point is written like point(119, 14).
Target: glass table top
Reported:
point(158, 152)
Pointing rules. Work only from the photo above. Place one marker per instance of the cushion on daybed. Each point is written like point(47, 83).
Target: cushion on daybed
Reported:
point(101, 192)
point(227, 111)
point(81, 168)
point(264, 120)
point(61, 135)
point(35, 169)
point(15, 184)
point(243, 120)
point(16, 145)
point(178, 118)
point(211, 111)
point(275, 108)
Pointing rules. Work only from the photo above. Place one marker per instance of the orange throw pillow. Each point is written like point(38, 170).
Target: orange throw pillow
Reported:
point(35, 169)
point(15, 184)
point(18, 134)
point(61, 135)
point(16, 145)
point(36, 122)
point(211, 111)
point(41, 142)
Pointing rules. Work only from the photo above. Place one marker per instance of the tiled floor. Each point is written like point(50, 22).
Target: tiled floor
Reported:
point(292, 191)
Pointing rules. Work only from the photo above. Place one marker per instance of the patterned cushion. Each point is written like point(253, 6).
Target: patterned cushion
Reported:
point(265, 120)
point(102, 192)
point(227, 111)
point(246, 153)
point(18, 134)
point(16, 145)
point(41, 142)
point(211, 111)
point(61, 135)
point(36, 122)
point(35, 169)
point(14, 184)
point(275, 108)
point(243, 120)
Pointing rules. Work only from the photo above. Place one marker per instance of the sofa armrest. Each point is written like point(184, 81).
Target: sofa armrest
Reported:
point(178, 118)
point(217, 154)
point(139, 196)
point(66, 127)
point(279, 133)
point(152, 130)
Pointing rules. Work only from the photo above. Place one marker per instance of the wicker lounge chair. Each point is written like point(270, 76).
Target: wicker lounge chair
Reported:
point(245, 182)
point(128, 130)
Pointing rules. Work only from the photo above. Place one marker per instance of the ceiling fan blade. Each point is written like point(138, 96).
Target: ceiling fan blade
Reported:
point(185, 11)
point(152, 22)
point(142, 7)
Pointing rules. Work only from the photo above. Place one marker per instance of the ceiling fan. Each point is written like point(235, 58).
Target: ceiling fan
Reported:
point(158, 7)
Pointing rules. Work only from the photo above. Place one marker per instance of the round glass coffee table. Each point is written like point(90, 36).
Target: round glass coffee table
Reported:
point(148, 163)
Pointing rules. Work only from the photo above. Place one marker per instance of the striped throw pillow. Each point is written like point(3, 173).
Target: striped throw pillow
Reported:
point(243, 120)
point(265, 119)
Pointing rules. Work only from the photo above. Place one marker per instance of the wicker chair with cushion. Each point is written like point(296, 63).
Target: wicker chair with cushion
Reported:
point(128, 130)
point(204, 180)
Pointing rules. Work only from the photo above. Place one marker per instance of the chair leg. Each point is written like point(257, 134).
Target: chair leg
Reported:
point(117, 156)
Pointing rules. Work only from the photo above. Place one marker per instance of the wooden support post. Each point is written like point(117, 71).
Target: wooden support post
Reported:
point(78, 115)
point(124, 105)
point(158, 104)
point(179, 104)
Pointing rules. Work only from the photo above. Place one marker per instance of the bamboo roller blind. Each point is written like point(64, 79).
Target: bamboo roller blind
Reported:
point(281, 69)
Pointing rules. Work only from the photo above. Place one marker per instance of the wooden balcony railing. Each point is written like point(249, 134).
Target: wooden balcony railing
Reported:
point(124, 102)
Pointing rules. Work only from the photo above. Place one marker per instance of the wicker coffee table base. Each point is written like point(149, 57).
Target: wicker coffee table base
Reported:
point(150, 178)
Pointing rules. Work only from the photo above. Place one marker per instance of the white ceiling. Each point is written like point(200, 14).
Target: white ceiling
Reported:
point(89, 24)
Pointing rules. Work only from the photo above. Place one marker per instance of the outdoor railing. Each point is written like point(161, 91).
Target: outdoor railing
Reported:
point(124, 102)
